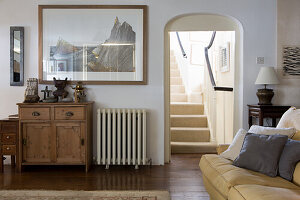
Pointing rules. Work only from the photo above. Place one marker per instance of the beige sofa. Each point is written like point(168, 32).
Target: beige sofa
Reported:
point(222, 180)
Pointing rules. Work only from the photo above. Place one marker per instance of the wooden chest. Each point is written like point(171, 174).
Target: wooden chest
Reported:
point(9, 140)
point(56, 134)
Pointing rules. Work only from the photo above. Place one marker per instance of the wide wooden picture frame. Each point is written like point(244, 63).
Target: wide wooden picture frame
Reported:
point(95, 44)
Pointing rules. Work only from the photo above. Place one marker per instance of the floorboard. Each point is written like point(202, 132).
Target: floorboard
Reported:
point(181, 177)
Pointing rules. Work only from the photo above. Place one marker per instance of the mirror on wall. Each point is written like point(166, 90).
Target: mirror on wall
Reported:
point(16, 56)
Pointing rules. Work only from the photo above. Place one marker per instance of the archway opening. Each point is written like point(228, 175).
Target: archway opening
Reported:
point(192, 102)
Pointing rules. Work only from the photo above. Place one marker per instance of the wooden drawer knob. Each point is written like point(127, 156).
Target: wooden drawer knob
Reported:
point(69, 114)
point(7, 137)
point(35, 114)
point(7, 148)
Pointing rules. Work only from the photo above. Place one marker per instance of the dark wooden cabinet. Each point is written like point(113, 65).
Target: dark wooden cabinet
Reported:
point(9, 140)
point(56, 134)
point(265, 111)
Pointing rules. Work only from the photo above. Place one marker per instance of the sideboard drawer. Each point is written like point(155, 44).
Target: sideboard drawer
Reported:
point(35, 113)
point(8, 127)
point(9, 150)
point(8, 138)
point(69, 113)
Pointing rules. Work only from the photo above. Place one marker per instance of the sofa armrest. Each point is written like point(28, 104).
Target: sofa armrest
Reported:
point(221, 148)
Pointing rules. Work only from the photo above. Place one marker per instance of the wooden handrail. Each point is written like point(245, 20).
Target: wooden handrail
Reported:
point(228, 89)
point(181, 47)
point(211, 76)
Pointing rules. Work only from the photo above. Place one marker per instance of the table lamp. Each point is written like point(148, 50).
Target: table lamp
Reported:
point(266, 76)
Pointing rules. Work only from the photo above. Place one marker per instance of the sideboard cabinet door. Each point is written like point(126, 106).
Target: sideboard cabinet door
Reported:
point(70, 142)
point(36, 141)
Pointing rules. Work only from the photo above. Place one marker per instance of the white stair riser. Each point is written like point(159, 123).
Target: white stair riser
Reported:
point(178, 98)
point(176, 81)
point(174, 66)
point(177, 89)
point(172, 59)
point(195, 98)
point(175, 73)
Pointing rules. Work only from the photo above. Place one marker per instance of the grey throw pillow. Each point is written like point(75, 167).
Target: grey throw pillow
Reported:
point(289, 158)
point(261, 153)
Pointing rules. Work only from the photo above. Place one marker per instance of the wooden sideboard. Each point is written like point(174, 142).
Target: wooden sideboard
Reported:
point(265, 111)
point(55, 134)
point(9, 140)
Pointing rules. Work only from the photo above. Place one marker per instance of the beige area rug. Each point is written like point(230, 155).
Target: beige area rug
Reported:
point(82, 195)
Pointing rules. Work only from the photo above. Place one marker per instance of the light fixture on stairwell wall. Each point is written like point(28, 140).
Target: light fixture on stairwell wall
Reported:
point(266, 76)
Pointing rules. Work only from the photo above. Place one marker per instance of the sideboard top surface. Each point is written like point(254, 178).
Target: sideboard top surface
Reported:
point(54, 104)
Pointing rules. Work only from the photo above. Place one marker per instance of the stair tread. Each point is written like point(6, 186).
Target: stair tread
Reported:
point(186, 103)
point(193, 147)
point(188, 116)
point(178, 93)
point(212, 144)
point(189, 129)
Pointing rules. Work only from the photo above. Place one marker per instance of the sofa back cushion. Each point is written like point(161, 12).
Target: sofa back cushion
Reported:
point(290, 156)
point(235, 147)
point(261, 153)
point(290, 132)
point(291, 118)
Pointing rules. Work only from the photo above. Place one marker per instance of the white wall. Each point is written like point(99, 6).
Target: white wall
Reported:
point(191, 74)
point(195, 71)
point(225, 103)
point(257, 17)
point(288, 29)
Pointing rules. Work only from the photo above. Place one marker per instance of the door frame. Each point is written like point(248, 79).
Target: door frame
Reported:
point(203, 22)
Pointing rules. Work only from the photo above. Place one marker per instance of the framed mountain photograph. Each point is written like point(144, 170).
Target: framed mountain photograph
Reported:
point(95, 44)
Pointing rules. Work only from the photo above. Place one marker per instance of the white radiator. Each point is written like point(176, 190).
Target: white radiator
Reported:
point(121, 137)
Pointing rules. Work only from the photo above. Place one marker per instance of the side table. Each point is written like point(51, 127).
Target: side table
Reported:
point(9, 129)
point(265, 111)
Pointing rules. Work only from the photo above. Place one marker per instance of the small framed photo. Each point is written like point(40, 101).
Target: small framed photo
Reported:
point(224, 57)
point(61, 65)
point(52, 66)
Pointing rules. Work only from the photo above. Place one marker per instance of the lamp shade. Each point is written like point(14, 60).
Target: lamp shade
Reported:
point(267, 75)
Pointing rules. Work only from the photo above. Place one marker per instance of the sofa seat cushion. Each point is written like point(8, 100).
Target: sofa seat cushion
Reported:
point(223, 175)
point(296, 175)
point(255, 192)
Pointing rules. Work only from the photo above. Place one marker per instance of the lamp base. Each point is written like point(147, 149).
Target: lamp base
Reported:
point(265, 96)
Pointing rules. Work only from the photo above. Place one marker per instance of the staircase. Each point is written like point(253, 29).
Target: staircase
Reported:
point(189, 128)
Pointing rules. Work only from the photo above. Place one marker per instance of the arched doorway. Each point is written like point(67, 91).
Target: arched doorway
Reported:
point(205, 22)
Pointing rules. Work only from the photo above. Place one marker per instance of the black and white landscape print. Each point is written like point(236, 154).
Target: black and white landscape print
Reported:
point(116, 54)
point(291, 60)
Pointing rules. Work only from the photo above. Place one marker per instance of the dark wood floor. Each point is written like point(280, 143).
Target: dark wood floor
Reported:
point(182, 178)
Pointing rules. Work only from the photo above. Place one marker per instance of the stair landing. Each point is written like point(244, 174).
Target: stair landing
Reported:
point(193, 147)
